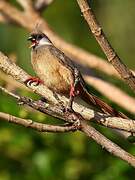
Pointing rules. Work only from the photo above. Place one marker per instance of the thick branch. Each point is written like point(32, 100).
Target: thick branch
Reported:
point(117, 123)
point(111, 55)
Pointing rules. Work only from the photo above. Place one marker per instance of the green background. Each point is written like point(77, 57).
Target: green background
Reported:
point(26, 154)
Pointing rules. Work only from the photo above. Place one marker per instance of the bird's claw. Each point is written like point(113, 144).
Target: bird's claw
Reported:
point(33, 80)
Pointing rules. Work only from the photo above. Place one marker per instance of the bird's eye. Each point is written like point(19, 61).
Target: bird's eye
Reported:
point(40, 36)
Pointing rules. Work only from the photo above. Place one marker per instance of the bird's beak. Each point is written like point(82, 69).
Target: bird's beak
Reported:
point(33, 41)
point(32, 44)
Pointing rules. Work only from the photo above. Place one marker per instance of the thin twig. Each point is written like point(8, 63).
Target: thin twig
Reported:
point(107, 144)
point(35, 125)
point(111, 55)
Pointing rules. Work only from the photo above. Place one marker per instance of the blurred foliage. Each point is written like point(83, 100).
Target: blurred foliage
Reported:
point(26, 154)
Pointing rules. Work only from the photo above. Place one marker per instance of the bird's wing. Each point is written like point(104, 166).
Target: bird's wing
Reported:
point(63, 59)
point(66, 62)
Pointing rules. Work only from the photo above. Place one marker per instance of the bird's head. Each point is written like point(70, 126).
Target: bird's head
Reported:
point(38, 39)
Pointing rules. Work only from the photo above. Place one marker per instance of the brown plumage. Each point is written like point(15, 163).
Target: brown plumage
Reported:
point(58, 73)
point(48, 67)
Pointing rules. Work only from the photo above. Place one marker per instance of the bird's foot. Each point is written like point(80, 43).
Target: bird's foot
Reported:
point(33, 80)
point(73, 92)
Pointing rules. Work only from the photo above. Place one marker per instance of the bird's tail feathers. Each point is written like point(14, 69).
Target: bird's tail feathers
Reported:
point(98, 103)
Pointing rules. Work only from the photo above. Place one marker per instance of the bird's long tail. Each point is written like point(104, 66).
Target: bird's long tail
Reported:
point(98, 103)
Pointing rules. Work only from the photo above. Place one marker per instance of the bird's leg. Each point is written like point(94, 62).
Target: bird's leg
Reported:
point(73, 89)
point(34, 80)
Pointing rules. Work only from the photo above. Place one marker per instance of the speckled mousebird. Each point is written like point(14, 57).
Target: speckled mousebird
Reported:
point(58, 73)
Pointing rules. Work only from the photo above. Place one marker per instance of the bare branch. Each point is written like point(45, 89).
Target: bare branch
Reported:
point(107, 144)
point(9, 93)
point(35, 125)
point(117, 123)
point(111, 55)
point(11, 82)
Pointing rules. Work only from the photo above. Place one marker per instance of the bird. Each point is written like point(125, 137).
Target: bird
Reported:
point(58, 72)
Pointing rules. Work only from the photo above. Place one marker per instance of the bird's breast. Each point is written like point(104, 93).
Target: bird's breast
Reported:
point(54, 74)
